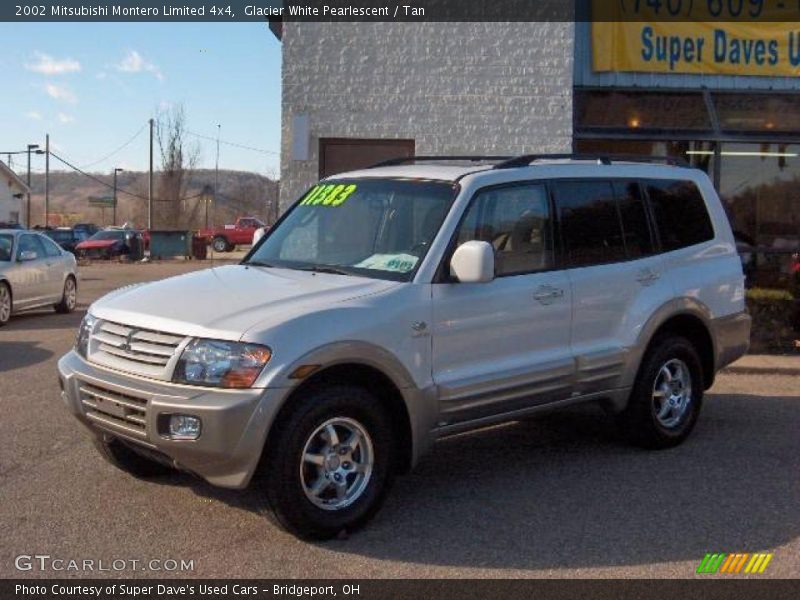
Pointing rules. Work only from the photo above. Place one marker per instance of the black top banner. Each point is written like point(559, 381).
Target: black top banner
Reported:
point(399, 10)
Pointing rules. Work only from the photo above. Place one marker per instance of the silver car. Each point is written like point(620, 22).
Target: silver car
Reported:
point(34, 272)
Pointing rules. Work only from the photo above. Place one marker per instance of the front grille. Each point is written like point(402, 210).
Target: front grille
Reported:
point(114, 410)
point(141, 351)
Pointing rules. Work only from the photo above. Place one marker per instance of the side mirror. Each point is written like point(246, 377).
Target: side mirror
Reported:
point(473, 262)
point(27, 255)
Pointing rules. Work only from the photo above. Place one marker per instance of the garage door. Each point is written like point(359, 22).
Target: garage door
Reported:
point(337, 155)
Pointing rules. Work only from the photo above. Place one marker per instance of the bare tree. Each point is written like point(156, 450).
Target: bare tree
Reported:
point(178, 160)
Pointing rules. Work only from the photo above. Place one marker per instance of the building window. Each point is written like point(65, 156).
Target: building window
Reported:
point(339, 155)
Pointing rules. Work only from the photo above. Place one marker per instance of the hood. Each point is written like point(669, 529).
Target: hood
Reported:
point(88, 244)
point(225, 302)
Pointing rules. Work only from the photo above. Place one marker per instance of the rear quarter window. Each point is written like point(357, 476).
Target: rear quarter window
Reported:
point(680, 214)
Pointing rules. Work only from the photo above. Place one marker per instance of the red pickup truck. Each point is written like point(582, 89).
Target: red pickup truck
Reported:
point(227, 237)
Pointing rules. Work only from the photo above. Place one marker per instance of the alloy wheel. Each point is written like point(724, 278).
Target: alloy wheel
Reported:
point(337, 463)
point(5, 304)
point(672, 393)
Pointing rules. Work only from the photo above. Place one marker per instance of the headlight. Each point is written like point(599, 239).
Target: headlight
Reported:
point(84, 331)
point(221, 364)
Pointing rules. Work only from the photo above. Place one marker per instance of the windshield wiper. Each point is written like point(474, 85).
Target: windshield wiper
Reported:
point(256, 263)
point(324, 269)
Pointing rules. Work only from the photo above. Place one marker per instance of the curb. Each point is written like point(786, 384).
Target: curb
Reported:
point(747, 370)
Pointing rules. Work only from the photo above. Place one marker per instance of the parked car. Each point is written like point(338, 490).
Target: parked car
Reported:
point(395, 306)
point(67, 238)
point(34, 272)
point(107, 243)
point(226, 238)
point(9, 225)
point(89, 228)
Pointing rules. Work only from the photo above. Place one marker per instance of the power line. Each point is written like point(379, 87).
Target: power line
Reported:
point(122, 147)
point(111, 187)
point(234, 144)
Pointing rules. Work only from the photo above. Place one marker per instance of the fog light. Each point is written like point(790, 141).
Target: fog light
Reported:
point(183, 427)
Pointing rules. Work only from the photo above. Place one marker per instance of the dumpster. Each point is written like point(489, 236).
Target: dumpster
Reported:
point(199, 247)
point(170, 243)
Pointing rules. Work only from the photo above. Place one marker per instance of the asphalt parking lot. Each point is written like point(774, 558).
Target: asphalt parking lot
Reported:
point(555, 497)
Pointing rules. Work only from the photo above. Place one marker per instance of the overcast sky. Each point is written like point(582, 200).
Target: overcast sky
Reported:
point(94, 86)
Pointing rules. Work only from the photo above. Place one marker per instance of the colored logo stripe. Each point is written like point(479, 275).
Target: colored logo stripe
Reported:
point(734, 563)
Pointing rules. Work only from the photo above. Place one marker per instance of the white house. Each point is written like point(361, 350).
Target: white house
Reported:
point(12, 192)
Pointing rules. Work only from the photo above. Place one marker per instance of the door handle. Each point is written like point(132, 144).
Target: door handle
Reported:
point(648, 277)
point(547, 294)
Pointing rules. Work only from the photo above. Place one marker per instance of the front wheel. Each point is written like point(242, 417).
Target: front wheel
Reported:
point(69, 299)
point(5, 303)
point(220, 244)
point(329, 462)
point(667, 396)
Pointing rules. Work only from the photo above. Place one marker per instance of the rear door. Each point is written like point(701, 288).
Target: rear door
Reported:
point(29, 280)
point(56, 261)
point(504, 346)
point(617, 280)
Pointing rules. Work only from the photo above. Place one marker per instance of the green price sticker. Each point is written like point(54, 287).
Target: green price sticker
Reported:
point(328, 195)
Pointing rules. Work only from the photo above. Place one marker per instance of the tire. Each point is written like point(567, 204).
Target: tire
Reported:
point(220, 244)
point(6, 303)
point(122, 457)
point(303, 494)
point(663, 409)
point(69, 298)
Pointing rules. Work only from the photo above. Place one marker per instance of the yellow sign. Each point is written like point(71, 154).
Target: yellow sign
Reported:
point(656, 42)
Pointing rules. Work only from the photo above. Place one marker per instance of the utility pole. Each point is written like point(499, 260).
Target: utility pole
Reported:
point(216, 171)
point(114, 210)
point(28, 209)
point(150, 182)
point(46, 180)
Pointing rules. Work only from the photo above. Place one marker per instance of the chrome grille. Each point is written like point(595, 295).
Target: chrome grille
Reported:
point(115, 410)
point(141, 351)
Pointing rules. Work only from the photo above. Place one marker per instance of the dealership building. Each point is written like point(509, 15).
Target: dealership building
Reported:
point(724, 97)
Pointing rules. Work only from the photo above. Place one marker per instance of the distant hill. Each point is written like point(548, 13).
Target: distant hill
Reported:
point(239, 193)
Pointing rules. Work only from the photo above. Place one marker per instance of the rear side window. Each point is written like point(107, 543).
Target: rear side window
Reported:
point(680, 214)
point(50, 247)
point(31, 243)
point(591, 230)
point(638, 239)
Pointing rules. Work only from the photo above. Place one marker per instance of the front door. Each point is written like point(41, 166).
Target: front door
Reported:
point(29, 274)
point(504, 346)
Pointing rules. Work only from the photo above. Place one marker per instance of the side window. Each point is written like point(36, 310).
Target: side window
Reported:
point(638, 239)
point(590, 224)
point(30, 243)
point(50, 247)
point(516, 221)
point(680, 214)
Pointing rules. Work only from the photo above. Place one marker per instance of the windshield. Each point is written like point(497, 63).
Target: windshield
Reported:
point(380, 228)
point(6, 245)
point(109, 235)
point(60, 236)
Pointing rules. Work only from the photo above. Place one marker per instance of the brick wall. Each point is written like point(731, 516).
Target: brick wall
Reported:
point(487, 88)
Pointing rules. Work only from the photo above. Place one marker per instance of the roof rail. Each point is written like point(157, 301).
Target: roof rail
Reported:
point(432, 159)
point(603, 159)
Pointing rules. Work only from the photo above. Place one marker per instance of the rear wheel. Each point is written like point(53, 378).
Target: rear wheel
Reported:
point(69, 299)
point(124, 458)
point(329, 462)
point(5, 303)
point(667, 396)
point(220, 244)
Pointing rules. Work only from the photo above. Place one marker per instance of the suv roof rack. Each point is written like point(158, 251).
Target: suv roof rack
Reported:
point(432, 159)
point(604, 159)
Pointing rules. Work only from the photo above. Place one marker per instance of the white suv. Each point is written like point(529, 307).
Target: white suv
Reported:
point(393, 306)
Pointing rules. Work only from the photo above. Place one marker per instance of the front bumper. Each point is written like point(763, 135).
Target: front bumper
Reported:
point(234, 422)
